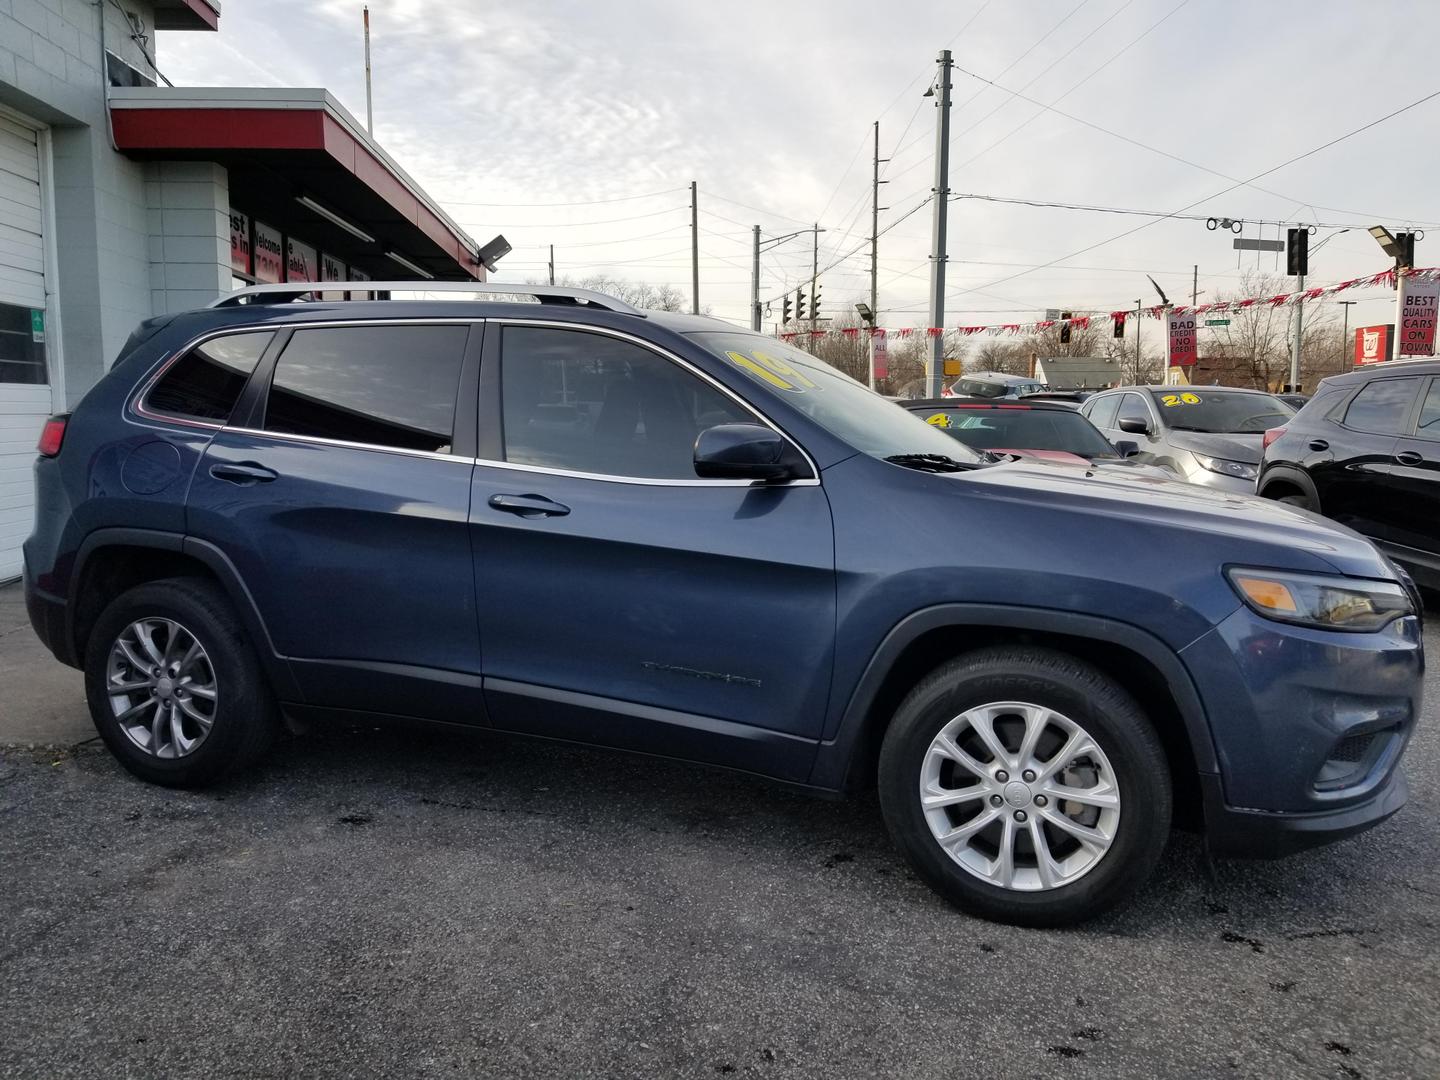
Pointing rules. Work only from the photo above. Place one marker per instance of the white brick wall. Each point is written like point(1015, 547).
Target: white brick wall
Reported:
point(188, 217)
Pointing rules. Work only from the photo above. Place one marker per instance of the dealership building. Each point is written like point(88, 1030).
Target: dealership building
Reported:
point(121, 199)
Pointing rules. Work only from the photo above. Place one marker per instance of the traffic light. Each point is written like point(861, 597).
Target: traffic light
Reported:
point(1297, 252)
point(1119, 330)
point(1406, 242)
point(785, 310)
point(799, 303)
point(815, 302)
point(1065, 328)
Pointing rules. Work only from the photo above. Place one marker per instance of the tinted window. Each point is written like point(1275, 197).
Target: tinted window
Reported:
point(1102, 413)
point(1220, 411)
point(1382, 406)
point(1132, 407)
point(384, 385)
point(1429, 423)
point(205, 383)
point(1021, 429)
point(595, 404)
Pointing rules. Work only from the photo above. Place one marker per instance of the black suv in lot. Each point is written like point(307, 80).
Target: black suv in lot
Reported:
point(1365, 451)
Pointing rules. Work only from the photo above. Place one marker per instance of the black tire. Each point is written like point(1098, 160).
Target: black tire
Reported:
point(245, 721)
point(1086, 696)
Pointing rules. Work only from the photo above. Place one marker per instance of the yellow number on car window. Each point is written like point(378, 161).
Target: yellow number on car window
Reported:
point(774, 371)
point(1190, 399)
point(1169, 400)
point(940, 419)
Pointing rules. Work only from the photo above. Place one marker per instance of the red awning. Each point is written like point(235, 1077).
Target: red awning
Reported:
point(282, 144)
point(187, 15)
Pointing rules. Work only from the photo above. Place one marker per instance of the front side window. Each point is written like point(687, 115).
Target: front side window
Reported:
point(1132, 407)
point(836, 402)
point(1428, 425)
point(205, 383)
point(392, 386)
point(1382, 406)
point(592, 403)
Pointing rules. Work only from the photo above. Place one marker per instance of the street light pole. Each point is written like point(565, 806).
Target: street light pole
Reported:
point(1347, 354)
point(941, 195)
point(755, 283)
point(1139, 361)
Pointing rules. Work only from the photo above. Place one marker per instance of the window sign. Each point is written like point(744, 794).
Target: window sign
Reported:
point(241, 255)
point(269, 255)
point(300, 262)
point(331, 268)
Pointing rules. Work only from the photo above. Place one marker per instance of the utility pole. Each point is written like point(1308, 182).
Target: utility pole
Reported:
point(1347, 353)
point(694, 252)
point(875, 183)
point(552, 264)
point(814, 275)
point(1298, 330)
point(755, 283)
point(1139, 356)
point(369, 104)
point(1195, 287)
point(941, 194)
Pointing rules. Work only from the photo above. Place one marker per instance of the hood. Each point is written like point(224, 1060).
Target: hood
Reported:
point(1047, 455)
point(1246, 448)
point(1153, 502)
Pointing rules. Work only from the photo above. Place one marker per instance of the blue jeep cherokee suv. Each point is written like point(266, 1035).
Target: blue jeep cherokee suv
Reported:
point(577, 520)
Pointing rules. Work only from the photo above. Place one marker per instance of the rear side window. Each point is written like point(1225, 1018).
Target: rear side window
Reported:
point(205, 383)
point(391, 386)
point(1102, 413)
point(1382, 406)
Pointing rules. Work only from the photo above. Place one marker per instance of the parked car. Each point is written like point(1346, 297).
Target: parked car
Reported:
point(1366, 452)
point(1208, 435)
point(1072, 398)
point(1295, 401)
point(655, 532)
point(994, 384)
point(1032, 429)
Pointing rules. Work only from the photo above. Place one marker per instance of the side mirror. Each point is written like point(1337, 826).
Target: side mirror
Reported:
point(1134, 425)
point(742, 452)
point(1127, 448)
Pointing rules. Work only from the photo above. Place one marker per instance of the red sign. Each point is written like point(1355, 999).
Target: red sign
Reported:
point(882, 354)
point(1419, 305)
point(269, 255)
point(1372, 344)
point(1183, 344)
point(240, 253)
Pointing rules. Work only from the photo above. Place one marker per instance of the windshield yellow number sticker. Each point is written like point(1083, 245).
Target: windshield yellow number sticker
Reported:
point(940, 419)
point(1170, 400)
point(772, 370)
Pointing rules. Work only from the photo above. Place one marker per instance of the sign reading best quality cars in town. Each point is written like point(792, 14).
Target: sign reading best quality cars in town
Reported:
point(1419, 304)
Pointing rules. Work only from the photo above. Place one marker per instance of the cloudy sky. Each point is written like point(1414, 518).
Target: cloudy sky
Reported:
point(581, 124)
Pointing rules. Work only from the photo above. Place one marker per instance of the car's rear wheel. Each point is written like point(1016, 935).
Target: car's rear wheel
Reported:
point(174, 687)
point(1026, 786)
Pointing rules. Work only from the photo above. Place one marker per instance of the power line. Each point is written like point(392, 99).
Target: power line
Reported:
point(584, 202)
point(1218, 194)
point(1043, 204)
point(606, 221)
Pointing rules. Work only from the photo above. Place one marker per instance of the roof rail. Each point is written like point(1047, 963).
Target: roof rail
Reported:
point(545, 294)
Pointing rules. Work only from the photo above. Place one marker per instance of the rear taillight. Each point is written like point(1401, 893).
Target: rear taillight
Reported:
point(1271, 435)
point(52, 435)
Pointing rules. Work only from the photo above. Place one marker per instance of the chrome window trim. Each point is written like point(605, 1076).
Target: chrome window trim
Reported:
point(347, 444)
point(135, 403)
point(810, 481)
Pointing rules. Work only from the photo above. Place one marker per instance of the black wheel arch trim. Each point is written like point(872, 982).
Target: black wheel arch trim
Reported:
point(1290, 474)
point(836, 757)
point(276, 666)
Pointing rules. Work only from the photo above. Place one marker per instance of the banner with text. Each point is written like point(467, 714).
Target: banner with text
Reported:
point(1183, 349)
point(1418, 304)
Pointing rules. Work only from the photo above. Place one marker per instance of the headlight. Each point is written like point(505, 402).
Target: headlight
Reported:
point(1329, 603)
point(1238, 469)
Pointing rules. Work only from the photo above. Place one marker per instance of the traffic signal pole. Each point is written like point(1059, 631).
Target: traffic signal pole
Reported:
point(941, 195)
point(755, 283)
point(694, 252)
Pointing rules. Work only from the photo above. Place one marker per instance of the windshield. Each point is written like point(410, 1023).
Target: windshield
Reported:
point(993, 388)
point(836, 402)
point(1021, 429)
point(1220, 412)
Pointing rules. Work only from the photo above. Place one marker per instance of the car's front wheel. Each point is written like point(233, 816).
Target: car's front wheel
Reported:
point(174, 687)
point(1026, 786)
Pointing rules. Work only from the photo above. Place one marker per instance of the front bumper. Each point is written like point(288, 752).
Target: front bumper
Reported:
point(1265, 834)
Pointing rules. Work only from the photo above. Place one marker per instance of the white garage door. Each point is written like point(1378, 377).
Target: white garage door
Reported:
point(24, 379)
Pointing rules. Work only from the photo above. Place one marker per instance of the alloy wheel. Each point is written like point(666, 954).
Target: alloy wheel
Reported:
point(1020, 796)
point(162, 687)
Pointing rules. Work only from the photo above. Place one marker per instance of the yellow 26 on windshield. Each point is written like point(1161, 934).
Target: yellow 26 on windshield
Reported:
point(1169, 400)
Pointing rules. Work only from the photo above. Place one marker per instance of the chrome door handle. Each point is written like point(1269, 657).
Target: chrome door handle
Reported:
point(1409, 457)
point(244, 473)
point(529, 506)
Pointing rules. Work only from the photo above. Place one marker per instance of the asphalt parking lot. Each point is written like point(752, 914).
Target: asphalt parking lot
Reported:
point(410, 904)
